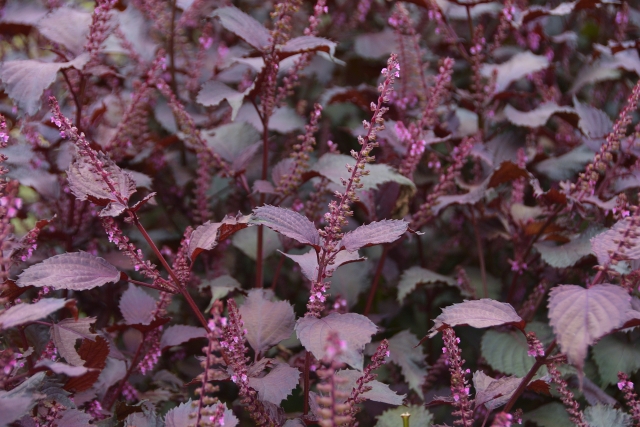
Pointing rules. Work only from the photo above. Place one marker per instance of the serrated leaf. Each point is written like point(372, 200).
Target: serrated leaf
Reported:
point(25, 313)
point(85, 184)
point(307, 44)
point(375, 233)
point(404, 353)
point(606, 416)
point(178, 334)
point(207, 236)
point(537, 117)
point(220, 287)
point(550, 415)
point(243, 26)
point(277, 384)
point(517, 67)
point(579, 316)
point(65, 334)
point(288, 223)
point(379, 392)
point(605, 242)
point(214, 92)
point(77, 271)
point(594, 123)
point(75, 418)
point(267, 322)
point(247, 242)
point(231, 140)
point(308, 262)
point(420, 416)
point(179, 416)
point(356, 330)
point(567, 165)
point(613, 355)
point(478, 314)
point(415, 275)
point(506, 352)
point(137, 306)
point(63, 368)
point(567, 255)
point(95, 355)
point(332, 167)
point(66, 26)
point(25, 80)
point(491, 392)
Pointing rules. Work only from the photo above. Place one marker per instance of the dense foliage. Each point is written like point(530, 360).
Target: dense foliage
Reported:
point(337, 213)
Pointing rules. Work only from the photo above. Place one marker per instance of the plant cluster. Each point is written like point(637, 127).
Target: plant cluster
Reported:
point(331, 213)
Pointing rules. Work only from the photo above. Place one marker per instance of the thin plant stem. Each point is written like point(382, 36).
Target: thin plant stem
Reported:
point(483, 267)
point(123, 381)
point(376, 280)
point(525, 381)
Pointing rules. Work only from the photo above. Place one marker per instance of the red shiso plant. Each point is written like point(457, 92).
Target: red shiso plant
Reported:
point(331, 213)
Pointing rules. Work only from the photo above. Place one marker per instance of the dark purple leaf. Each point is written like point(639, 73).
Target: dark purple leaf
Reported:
point(66, 26)
point(214, 92)
point(604, 243)
point(517, 67)
point(308, 262)
point(478, 314)
point(375, 233)
point(267, 322)
point(594, 123)
point(63, 368)
point(86, 184)
point(491, 392)
point(24, 313)
point(77, 271)
point(25, 80)
point(243, 26)
point(307, 44)
point(65, 334)
point(277, 384)
point(75, 418)
point(137, 306)
point(287, 222)
point(178, 334)
point(207, 236)
point(580, 316)
point(353, 328)
point(537, 117)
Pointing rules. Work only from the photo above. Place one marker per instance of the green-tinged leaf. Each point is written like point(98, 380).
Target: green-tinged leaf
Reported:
point(379, 392)
point(277, 384)
point(550, 415)
point(25, 80)
point(579, 316)
point(308, 263)
point(613, 354)
point(350, 280)
point(24, 313)
point(355, 329)
point(219, 287)
point(137, 306)
point(214, 92)
point(506, 352)
point(478, 314)
point(178, 334)
point(563, 256)
point(537, 117)
point(267, 322)
point(77, 271)
point(520, 65)
point(606, 416)
point(232, 139)
point(332, 167)
point(415, 275)
point(420, 416)
point(243, 26)
point(405, 352)
point(567, 165)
